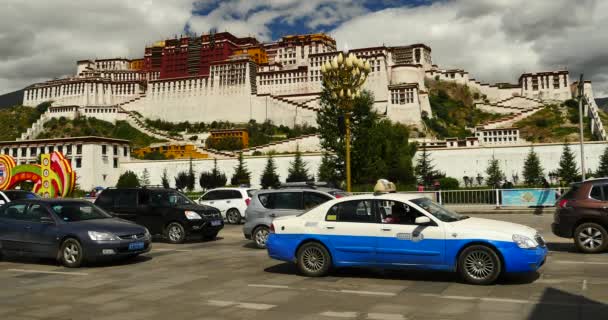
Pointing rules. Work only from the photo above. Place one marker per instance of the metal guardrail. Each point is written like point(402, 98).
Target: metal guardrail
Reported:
point(524, 197)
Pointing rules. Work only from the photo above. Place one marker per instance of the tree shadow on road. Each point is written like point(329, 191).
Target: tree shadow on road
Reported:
point(92, 264)
point(562, 247)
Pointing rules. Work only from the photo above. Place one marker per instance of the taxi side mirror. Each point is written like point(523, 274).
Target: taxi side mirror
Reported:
point(423, 220)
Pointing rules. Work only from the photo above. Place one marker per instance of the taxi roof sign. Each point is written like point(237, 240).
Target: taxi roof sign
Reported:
point(384, 186)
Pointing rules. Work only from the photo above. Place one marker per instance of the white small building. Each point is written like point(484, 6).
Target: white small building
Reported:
point(497, 136)
point(95, 160)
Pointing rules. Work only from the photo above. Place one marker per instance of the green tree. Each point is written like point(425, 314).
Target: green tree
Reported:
point(128, 180)
point(165, 179)
point(329, 172)
point(241, 174)
point(567, 171)
point(206, 180)
point(219, 178)
point(145, 177)
point(270, 178)
point(449, 183)
point(297, 171)
point(425, 170)
point(494, 174)
point(182, 180)
point(533, 171)
point(191, 177)
point(602, 171)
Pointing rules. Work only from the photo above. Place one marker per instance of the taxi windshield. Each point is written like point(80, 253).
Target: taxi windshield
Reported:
point(438, 211)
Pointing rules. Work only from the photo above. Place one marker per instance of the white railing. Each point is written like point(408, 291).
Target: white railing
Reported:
point(524, 197)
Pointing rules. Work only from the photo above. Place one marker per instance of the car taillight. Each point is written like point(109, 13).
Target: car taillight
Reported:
point(247, 201)
point(272, 228)
point(563, 203)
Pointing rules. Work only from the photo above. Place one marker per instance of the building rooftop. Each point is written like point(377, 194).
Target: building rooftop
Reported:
point(70, 139)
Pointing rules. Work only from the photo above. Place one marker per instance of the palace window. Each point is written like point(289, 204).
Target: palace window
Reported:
point(402, 96)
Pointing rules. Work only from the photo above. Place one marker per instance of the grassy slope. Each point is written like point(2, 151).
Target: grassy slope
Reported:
point(552, 124)
point(16, 120)
point(62, 127)
point(453, 110)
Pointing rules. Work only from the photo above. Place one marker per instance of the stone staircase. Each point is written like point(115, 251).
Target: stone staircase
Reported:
point(36, 128)
point(511, 119)
point(305, 143)
point(510, 105)
point(597, 127)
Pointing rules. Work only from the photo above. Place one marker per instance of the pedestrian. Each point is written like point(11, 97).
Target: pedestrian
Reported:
point(420, 187)
point(545, 183)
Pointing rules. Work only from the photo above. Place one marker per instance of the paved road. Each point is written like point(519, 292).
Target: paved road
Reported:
point(229, 279)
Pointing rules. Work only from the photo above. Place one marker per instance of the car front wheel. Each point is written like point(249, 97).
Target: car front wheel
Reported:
point(71, 253)
point(591, 238)
point(479, 265)
point(260, 235)
point(233, 216)
point(175, 233)
point(313, 260)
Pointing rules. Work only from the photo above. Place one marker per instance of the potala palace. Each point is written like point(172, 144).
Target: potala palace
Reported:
point(221, 77)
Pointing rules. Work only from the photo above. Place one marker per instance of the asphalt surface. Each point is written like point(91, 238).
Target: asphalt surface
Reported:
point(229, 279)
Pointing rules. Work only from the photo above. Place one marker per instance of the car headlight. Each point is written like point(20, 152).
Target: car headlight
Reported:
point(103, 236)
point(191, 215)
point(147, 234)
point(524, 242)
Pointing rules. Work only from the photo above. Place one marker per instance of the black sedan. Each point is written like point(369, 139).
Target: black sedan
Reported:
point(71, 231)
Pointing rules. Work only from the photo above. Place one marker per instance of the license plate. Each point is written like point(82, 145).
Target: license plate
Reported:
point(216, 223)
point(136, 246)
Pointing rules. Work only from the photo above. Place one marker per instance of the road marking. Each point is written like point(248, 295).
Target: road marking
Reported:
point(335, 314)
point(580, 262)
point(385, 316)
point(275, 286)
point(371, 293)
point(242, 305)
point(504, 300)
point(168, 249)
point(48, 272)
point(584, 285)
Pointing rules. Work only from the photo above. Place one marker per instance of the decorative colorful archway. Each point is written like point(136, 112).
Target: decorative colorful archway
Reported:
point(53, 177)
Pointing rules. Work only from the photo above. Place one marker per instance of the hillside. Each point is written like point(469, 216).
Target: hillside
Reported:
point(63, 127)
point(453, 110)
point(555, 123)
point(16, 120)
point(602, 103)
point(10, 99)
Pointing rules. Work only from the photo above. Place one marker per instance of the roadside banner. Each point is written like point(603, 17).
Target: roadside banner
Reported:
point(528, 197)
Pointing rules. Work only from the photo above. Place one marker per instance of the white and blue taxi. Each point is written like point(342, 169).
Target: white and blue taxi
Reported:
point(403, 231)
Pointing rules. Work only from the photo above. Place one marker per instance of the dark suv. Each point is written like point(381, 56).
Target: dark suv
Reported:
point(162, 211)
point(582, 214)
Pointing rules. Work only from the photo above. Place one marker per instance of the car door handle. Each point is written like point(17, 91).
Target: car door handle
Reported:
point(272, 215)
point(28, 227)
point(228, 201)
point(211, 202)
point(386, 229)
point(329, 227)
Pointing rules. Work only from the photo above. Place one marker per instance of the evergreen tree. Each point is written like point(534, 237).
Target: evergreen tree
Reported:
point(241, 174)
point(182, 180)
point(270, 178)
point(425, 170)
point(191, 178)
point(495, 175)
point(602, 171)
point(298, 171)
point(567, 171)
point(128, 180)
point(145, 177)
point(533, 171)
point(329, 172)
point(219, 178)
point(165, 179)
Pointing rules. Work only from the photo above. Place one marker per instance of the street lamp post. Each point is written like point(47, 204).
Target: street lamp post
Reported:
point(344, 77)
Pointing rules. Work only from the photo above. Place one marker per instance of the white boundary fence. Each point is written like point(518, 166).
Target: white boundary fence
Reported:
point(525, 197)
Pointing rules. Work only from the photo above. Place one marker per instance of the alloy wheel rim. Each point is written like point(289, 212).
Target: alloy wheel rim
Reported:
point(591, 238)
point(232, 217)
point(313, 259)
point(175, 233)
point(479, 265)
point(260, 237)
point(71, 253)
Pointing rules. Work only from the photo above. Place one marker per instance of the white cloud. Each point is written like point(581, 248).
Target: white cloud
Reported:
point(496, 40)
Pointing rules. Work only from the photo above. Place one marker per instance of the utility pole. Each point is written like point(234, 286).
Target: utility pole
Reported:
point(580, 124)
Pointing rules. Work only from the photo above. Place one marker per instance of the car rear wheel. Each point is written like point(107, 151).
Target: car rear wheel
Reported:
point(260, 235)
point(479, 265)
point(591, 238)
point(71, 253)
point(175, 233)
point(313, 260)
point(233, 216)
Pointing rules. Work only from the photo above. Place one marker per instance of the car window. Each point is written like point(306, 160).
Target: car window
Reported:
point(235, 194)
point(596, 193)
point(438, 211)
point(105, 199)
point(250, 192)
point(313, 199)
point(264, 199)
point(571, 193)
point(143, 198)
point(286, 200)
point(78, 211)
point(394, 212)
point(36, 211)
point(211, 195)
point(169, 199)
point(127, 198)
point(352, 211)
point(605, 189)
point(15, 211)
